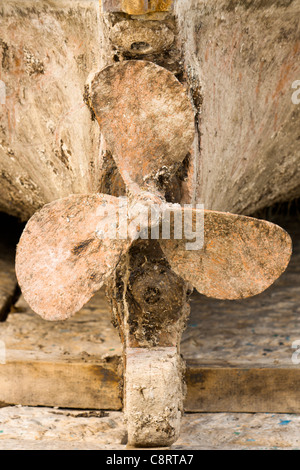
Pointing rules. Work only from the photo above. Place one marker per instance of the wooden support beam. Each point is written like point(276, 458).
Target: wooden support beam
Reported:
point(242, 390)
point(36, 381)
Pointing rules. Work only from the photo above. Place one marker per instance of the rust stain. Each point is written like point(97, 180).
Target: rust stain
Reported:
point(137, 7)
point(287, 66)
point(283, 81)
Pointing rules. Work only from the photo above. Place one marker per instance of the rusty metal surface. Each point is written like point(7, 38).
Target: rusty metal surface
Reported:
point(61, 261)
point(145, 117)
point(136, 7)
point(241, 256)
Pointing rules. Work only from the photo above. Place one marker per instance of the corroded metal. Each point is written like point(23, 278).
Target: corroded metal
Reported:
point(62, 258)
point(150, 307)
point(146, 118)
point(241, 256)
point(147, 121)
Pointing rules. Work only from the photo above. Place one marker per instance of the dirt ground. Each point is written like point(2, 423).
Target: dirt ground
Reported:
point(25, 428)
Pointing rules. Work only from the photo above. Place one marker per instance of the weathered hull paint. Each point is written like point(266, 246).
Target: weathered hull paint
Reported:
point(49, 146)
point(241, 59)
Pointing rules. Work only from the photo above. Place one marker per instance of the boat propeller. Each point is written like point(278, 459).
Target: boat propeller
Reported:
point(72, 246)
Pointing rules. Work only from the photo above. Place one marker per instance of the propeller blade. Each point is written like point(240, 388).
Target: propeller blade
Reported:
point(240, 257)
point(146, 118)
point(66, 252)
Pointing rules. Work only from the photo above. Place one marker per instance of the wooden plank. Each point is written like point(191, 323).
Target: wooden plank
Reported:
point(97, 386)
point(243, 390)
point(62, 384)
